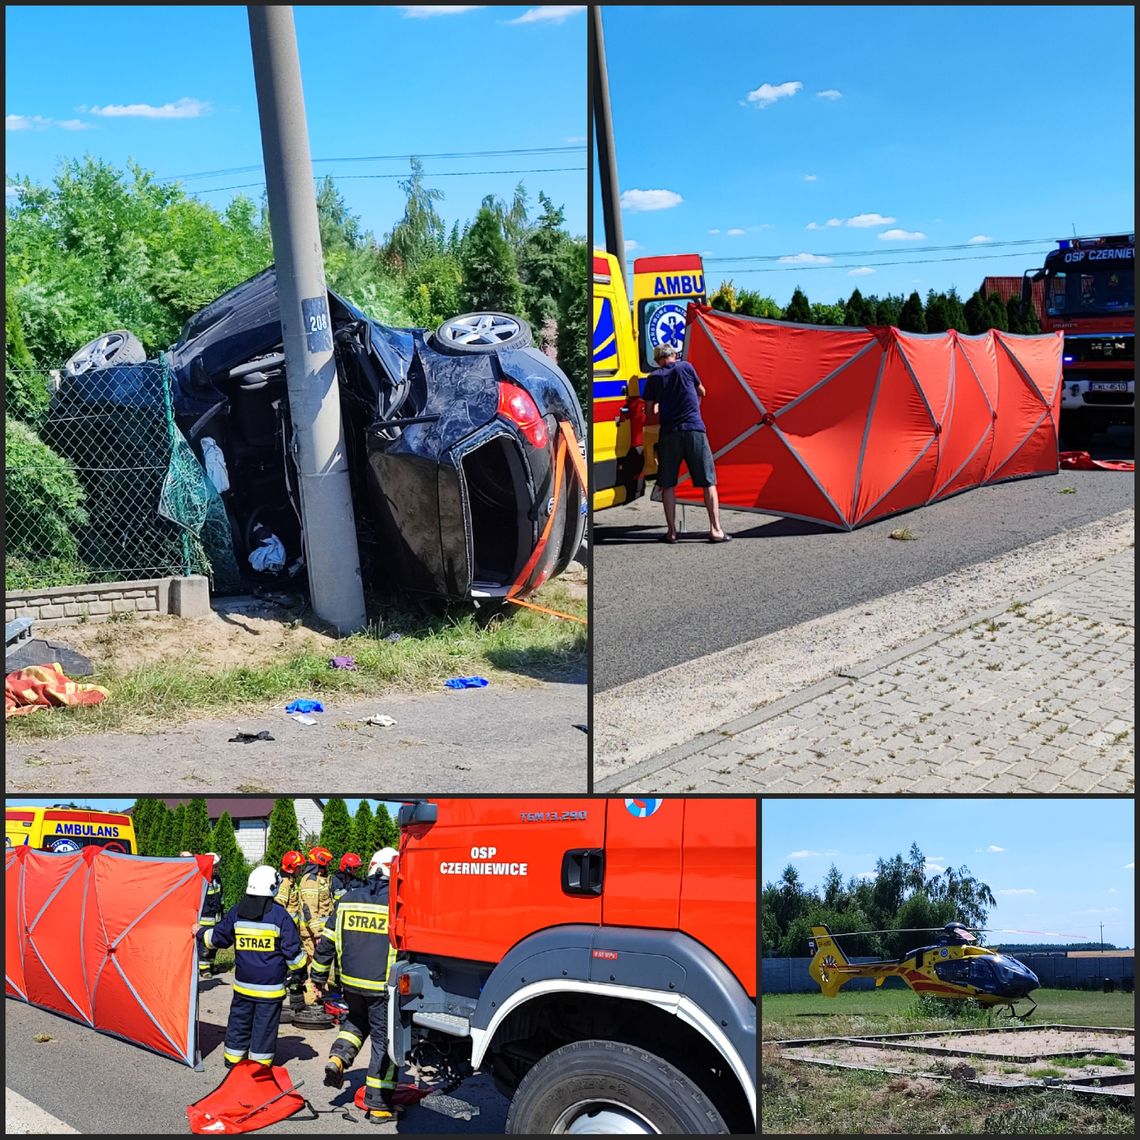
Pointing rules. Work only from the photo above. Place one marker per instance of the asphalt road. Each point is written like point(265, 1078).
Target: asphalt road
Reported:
point(99, 1084)
point(655, 605)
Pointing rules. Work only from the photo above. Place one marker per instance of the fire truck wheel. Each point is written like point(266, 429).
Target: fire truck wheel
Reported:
point(609, 1088)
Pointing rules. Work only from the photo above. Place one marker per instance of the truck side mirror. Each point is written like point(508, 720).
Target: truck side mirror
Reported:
point(419, 812)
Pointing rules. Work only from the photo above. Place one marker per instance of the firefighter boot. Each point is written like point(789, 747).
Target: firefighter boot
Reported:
point(334, 1073)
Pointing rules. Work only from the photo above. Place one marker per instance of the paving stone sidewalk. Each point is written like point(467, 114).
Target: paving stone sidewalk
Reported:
point(1036, 696)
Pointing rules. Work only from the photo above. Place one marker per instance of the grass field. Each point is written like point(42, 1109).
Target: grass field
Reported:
point(900, 1011)
point(807, 1100)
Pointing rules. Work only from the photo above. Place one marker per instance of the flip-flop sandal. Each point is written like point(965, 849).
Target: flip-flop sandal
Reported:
point(666, 538)
point(723, 538)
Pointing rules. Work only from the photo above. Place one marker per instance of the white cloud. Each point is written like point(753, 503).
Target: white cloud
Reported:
point(12, 192)
point(932, 868)
point(26, 123)
point(862, 271)
point(979, 239)
point(992, 849)
point(831, 222)
point(805, 259)
point(734, 232)
point(548, 14)
point(1017, 891)
point(813, 226)
point(1129, 866)
point(640, 201)
point(863, 221)
point(804, 854)
point(183, 109)
point(830, 93)
point(1106, 910)
point(867, 875)
point(575, 140)
point(631, 245)
point(1112, 891)
point(901, 235)
point(768, 93)
point(714, 231)
point(75, 125)
point(424, 11)
point(811, 177)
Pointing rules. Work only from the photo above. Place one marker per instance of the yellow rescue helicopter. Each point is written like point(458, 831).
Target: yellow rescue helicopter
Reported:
point(953, 967)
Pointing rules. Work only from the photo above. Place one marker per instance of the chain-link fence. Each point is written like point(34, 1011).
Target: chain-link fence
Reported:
point(105, 487)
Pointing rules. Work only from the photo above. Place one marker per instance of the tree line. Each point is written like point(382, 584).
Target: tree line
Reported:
point(901, 895)
point(165, 833)
point(938, 313)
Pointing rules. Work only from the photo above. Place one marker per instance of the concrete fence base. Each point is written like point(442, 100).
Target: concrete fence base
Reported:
point(100, 601)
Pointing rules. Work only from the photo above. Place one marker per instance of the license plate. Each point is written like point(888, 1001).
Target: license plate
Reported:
point(1107, 386)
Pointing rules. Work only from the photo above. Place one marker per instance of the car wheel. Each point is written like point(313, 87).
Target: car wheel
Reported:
point(118, 347)
point(609, 1088)
point(480, 333)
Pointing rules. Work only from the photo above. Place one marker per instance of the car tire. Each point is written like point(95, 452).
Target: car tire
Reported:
point(120, 346)
point(607, 1087)
point(477, 334)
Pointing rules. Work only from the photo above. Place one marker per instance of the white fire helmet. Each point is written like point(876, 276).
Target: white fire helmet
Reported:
point(381, 862)
point(263, 882)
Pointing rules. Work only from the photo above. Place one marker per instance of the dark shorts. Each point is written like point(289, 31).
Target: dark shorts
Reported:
point(693, 448)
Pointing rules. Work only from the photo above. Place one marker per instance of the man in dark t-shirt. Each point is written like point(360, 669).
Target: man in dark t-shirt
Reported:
point(675, 390)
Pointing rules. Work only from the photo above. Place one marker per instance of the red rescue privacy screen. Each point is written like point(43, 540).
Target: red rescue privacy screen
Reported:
point(105, 939)
point(843, 426)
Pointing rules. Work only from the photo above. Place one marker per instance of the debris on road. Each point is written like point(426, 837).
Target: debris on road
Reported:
point(304, 705)
point(379, 720)
point(46, 686)
point(348, 663)
point(249, 737)
point(301, 718)
point(467, 683)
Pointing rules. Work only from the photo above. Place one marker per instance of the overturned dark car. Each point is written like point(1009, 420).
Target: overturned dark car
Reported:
point(465, 445)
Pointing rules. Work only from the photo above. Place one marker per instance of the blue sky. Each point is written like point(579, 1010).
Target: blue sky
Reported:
point(172, 88)
point(868, 134)
point(1063, 865)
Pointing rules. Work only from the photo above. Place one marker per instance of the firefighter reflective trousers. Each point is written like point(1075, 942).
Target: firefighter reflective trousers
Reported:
point(252, 1029)
point(368, 1015)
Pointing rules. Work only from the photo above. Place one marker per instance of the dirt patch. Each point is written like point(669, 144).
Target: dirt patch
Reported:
point(1034, 1042)
point(238, 631)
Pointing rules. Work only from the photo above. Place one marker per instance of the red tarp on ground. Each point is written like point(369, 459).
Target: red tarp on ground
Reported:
point(844, 426)
point(105, 939)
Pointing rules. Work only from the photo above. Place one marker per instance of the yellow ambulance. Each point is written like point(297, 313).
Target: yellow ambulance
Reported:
point(67, 830)
point(624, 436)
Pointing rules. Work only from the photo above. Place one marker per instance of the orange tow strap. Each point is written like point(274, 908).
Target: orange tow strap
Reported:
point(544, 610)
point(567, 445)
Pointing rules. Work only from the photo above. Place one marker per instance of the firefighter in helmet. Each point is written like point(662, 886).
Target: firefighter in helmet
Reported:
point(267, 949)
point(346, 878)
point(288, 896)
point(316, 904)
point(212, 908)
point(356, 938)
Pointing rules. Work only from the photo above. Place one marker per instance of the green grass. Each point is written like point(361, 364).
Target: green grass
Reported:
point(802, 1099)
point(520, 642)
point(898, 1010)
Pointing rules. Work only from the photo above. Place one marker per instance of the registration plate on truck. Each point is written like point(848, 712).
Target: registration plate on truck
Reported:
point(1108, 386)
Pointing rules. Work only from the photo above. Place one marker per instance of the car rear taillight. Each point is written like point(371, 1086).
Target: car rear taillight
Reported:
point(516, 405)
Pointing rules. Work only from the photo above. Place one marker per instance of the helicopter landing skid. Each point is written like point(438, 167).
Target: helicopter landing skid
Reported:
point(1021, 1016)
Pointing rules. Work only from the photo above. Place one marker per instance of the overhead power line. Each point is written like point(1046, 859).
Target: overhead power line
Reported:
point(880, 265)
point(390, 158)
point(434, 174)
point(880, 252)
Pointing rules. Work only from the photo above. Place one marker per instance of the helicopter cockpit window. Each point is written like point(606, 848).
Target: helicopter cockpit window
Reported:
point(954, 970)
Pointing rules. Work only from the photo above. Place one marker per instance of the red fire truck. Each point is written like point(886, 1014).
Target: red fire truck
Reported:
point(1090, 297)
point(596, 956)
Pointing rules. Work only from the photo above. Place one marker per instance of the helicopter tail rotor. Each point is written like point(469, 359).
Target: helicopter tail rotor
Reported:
point(827, 957)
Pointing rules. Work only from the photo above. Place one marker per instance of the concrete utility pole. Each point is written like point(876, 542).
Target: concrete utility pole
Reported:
point(604, 129)
point(329, 525)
